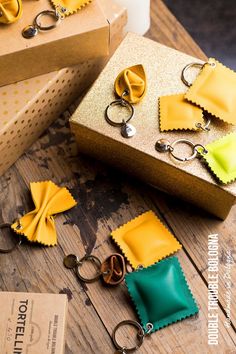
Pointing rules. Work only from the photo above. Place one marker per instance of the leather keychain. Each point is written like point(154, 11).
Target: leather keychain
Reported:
point(39, 225)
point(61, 10)
point(213, 90)
point(177, 113)
point(111, 271)
point(161, 296)
point(10, 11)
point(143, 241)
point(130, 87)
point(218, 155)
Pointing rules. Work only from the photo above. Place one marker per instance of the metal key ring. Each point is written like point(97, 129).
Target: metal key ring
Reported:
point(96, 261)
point(120, 102)
point(140, 336)
point(196, 65)
point(51, 13)
point(186, 68)
point(4, 226)
point(184, 141)
point(204, 127)
point(204, 150)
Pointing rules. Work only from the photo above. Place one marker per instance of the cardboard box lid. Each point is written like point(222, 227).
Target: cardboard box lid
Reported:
point(79, 37)
point(163, 67)
point(112, 12)
point(17, 98)
point(90, 18)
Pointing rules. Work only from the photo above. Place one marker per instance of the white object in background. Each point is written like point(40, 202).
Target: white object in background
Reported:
point(138, 15)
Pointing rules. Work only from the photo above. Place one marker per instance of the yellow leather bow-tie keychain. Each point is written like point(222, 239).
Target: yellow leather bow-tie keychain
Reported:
point(39, 225)
point(10, 11)
point(130, 87)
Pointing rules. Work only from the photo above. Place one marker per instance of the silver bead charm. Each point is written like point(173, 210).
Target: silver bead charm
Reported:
point(128, 130)
point(162, 145)
point(30, 31)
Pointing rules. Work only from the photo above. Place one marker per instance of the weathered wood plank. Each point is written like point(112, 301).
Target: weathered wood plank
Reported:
point(107, 200)
point(167, 30)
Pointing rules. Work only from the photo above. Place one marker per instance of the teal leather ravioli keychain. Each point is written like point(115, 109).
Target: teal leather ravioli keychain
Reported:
point(158, 288)
point(161, 296)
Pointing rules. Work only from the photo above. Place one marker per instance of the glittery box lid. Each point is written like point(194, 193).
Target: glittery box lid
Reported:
point(163, 67)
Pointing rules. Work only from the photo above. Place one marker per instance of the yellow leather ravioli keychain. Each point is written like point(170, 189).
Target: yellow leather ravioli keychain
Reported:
point(176, 113)
point(62, 9)
point(130, 86)
point(214, 89)
point(39, 225)
point(10, 11)
point(71, 6)
point(145, 240)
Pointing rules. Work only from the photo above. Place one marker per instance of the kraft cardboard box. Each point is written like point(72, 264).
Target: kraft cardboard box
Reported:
point(79, 37)
point(32, 323)
point(28, 107)
point(190, 181)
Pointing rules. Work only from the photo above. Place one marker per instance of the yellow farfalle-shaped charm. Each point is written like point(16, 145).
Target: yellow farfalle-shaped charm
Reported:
point(10, 11)
point(132, 81)
point(38, 225)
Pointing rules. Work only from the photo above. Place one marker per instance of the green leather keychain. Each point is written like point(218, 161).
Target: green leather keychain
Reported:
point(218, 155)
point(221, 157)
point(161, 296)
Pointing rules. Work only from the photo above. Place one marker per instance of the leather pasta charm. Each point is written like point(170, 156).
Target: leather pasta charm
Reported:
point(62, 9)
point(130, 86)
point(213, 90)
point(111, 271)
point(71, 6)
point(145, 240)
point(39, 225)
point(221, 158)
point(176, 113)
point(161, 296)
point(10, 11)
point(218, 155)
point(133, 81)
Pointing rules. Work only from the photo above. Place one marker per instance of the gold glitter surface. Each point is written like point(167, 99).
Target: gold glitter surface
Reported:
point(163, 66)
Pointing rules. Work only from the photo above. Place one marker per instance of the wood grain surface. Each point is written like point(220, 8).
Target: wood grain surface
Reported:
point(106, 200)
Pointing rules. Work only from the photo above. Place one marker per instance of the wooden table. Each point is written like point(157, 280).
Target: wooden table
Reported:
point(106, 200)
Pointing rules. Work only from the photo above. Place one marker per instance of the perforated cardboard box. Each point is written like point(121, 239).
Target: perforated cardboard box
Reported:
point(28, 107)
point(190, 181)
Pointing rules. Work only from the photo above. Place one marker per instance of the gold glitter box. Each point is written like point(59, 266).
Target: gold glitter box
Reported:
point(189, 181)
